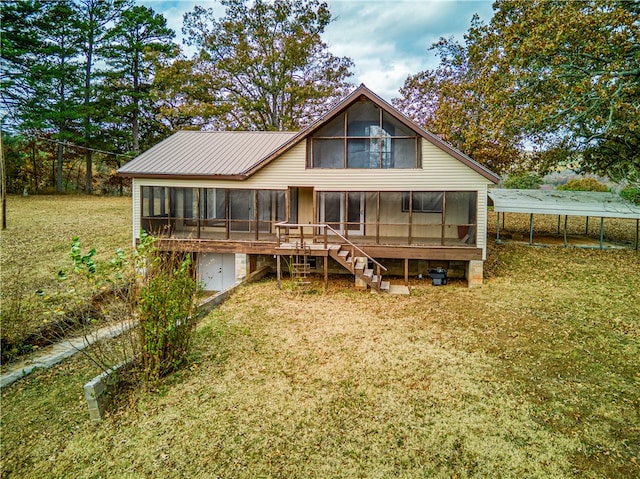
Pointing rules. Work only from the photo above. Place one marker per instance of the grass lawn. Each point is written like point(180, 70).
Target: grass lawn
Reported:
point(534, 374)
point(36, 245)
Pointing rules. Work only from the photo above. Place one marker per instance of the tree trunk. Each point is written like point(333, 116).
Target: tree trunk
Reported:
point(59, 167)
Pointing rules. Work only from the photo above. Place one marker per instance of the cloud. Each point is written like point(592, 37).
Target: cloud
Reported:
point(389, 40)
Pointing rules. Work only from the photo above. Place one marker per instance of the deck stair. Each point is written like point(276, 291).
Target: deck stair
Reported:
point(345, 255)
point(291, 241)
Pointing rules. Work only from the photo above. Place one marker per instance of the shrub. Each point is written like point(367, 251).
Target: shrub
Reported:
point(631, 194)
point(583, 184)
point(166, 303)
point(523, 181)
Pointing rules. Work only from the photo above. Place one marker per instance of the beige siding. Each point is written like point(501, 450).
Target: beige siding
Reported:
point(136, 205)
point(439, 172)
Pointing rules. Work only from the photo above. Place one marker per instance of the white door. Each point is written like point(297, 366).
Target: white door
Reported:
point(216, 272)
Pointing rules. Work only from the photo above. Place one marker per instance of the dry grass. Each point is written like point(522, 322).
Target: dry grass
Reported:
point(35, 247)
point(533, 375)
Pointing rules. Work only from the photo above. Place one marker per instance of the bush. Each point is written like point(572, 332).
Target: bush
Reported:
point(522, 181)
point(631, 194)
point(583, 184)
point(166, 304)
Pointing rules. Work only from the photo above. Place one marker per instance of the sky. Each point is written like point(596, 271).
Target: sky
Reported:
point(387, 40)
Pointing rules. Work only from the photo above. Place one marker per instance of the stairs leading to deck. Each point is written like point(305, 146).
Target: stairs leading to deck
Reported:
point(358, 265)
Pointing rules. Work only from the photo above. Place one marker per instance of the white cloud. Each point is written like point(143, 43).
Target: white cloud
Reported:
point(387, 40)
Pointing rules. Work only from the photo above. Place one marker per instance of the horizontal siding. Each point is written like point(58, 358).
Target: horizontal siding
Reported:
point(135, 201)
point(439, 171)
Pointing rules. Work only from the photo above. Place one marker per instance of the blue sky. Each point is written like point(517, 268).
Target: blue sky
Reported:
point(387, 40)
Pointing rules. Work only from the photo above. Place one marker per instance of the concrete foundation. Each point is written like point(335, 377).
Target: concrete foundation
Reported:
point(475, 271)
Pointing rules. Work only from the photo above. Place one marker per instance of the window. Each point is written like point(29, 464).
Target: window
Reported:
point(423, 202)
point(154, 201)
point(364, 137)
point(213, 206)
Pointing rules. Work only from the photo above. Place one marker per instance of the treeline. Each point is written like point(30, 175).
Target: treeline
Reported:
point(88, 84)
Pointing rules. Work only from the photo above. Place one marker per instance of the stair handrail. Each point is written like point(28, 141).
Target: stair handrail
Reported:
point(346, 240)
point(324, 228)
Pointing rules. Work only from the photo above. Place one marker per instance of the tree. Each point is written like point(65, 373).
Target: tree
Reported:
point(137, 39)
point(95, 16)
point(578, 75)
point(43, 80)
point(459, 101)
point(262, 66)
point(560, 75)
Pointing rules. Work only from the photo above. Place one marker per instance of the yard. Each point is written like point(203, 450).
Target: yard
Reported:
point(535, 374)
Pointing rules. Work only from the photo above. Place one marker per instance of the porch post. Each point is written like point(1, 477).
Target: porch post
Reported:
point(279, 270)
point(531, 229)
point(601, 232)
point(498, 226)
point(198, 206)
point(378, 218)
point(227, 222)
point(637, 232)
point(565, 231)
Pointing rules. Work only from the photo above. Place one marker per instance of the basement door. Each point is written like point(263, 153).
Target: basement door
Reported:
point(216, 272)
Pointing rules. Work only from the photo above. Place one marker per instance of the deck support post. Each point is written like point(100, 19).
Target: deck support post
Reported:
point(559, 224)
point(601, 232)
point(530, 229)
point(586, 227)
point(279, 271)
point(498, 226)
point(565, 231)
point(326, 273)
point(637, 232)
point(406, 271)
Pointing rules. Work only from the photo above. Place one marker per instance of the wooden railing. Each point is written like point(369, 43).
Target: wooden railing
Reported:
point(323, 230)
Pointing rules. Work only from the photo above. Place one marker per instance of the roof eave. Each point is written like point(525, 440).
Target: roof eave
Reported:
point(178, 176)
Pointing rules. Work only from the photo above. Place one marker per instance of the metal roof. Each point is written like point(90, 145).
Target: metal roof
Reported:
point(557, 202)
point(206, 153)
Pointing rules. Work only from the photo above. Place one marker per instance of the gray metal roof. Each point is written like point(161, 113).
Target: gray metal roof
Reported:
point(206, 153)
point(556, 202)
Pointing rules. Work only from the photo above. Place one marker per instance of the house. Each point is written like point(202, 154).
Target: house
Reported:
point(362, 190)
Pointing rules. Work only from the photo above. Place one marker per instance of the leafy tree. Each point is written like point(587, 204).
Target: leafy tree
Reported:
point(262, 66)
point(138, 38)
point(95, 16)
point(458, 101)
point(561, 75)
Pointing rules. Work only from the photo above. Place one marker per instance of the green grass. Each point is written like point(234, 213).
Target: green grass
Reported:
point(535, 374)
point(35, 247)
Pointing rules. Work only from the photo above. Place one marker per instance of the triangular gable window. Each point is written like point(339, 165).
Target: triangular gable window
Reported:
point(364, 137)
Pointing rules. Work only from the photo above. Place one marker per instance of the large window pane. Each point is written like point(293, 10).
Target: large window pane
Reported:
point(460, 215)
point(328, 153)
point(403, 152)
point(241, 209)
point(363, 119)
point(363, 153)
point(423, 201)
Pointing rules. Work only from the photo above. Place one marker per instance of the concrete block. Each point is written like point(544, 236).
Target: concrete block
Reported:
point(475, 271)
